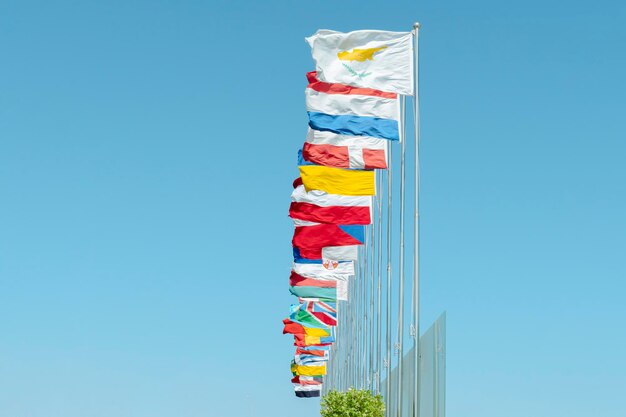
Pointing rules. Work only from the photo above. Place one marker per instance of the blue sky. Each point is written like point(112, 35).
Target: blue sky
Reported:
point(146, 158)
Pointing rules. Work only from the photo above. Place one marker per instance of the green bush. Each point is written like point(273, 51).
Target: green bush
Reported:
point(352, 403)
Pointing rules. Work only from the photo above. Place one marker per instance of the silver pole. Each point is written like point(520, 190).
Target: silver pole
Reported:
point(416, 223)
point(401, 272)
point(354, 329)
point(333, 350)
point(337, 355)
point(341, 325)
point(361, 317)
point(355, 345)
point(333, 353)
point(349, 323)
point(388, 306)
point(366, 311)
point(371, 312)
point(366, 317)
point(379, 283)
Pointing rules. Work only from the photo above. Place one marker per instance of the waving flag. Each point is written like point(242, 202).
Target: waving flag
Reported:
point(354, 125)
point(365, 58)
point(306, 340)
point(325, 270)
point(314, 314)
point(298, 329)
point(322, 294)
point(319, 206)
point(296, 280)
point(303, 370)
point(312, 350)
point(344, 151)
point(351, 111)
point(299, 281)
point(307, 380)
point(317, 293)
point(311, 239)
point(345, 253)
point(337, 181)
point(307, 391)
point(304, 359)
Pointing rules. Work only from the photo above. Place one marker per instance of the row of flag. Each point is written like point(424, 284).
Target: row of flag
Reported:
point(352, 102)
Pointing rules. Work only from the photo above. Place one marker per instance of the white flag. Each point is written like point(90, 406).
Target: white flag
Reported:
point(329, 270)
point(365, 58)
point(345, 253)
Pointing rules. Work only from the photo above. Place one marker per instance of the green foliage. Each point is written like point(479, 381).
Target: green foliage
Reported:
point(352, 403)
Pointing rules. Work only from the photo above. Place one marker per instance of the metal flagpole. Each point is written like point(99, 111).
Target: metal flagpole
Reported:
point(416, 224)
point(388, 306)
point(371, 311)
point(399, 345)
point(334, 349)
point(353, 319)
point(379, 282)
point(353, 356)
point(349, 324)
point(355, 344)
point(366, 314)
point(361, 317)
point(357, 325)
point(344, 344)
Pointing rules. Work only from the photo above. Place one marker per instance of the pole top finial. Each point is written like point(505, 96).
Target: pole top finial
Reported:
point(416, 25)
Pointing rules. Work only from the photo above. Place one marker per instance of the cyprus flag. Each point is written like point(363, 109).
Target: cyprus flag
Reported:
point(365, 58)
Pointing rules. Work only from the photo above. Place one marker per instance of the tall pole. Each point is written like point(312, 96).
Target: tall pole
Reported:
point(354, 319)
point(370, 374)
point(388, 304)
point(363, 316)
point(351, 333)
point(416, 223)
point(399, 346)
point(357, 324)
point(379, 274)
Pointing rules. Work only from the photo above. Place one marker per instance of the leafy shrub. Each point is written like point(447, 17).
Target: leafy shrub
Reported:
point(352, 403)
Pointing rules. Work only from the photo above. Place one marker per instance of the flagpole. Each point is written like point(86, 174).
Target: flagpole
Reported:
point(416, 224)
point(355, 350)
point(388, 304)
point(372, 304)
point(336, 349)
point(361, 318)
point(379, 279)
point(363, 315)
point(367, 317)
point(342, 348)
point(401, 274)
point(353, 356)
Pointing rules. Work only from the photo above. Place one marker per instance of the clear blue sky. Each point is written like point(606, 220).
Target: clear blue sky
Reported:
point(146, 159)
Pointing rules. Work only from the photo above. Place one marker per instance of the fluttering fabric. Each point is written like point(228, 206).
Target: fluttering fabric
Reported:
point(321, 207)
point(356, 112)
point(365, 58)
point(344, 151)
point(337, 180)
point(353, 107)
